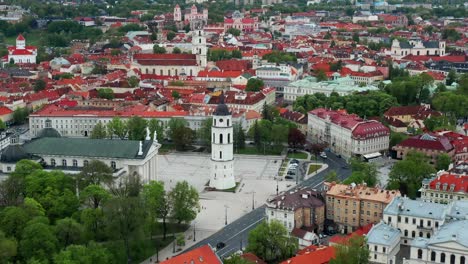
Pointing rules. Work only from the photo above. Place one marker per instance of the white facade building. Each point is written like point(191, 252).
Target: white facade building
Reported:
point(310, 85)
point(222, 154)
point(417, 47)
point(21, 53)
point(347, 134)
point(384, 243)
point(415, 219)
point(448, 245)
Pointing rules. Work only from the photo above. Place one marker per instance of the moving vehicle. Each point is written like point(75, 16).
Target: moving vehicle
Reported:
point(323, 155)
point(220, 245)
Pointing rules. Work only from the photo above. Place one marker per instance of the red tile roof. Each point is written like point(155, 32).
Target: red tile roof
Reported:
point(202, 254)
point(5, 110)
point(315, 255)
point(20, 37)
point(427, 141)
point(252, 258)
point(460, 182)
point(166, 59)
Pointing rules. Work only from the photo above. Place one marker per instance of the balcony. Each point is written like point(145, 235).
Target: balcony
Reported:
point(427, 228)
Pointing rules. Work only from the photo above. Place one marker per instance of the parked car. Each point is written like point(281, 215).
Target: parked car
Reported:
point(323, 155)
point(294, 161)
point(220, 245)
point(288, 177)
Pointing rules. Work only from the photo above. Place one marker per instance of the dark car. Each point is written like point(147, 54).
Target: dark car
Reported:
point(294, 161)
point(288, 177)
point(220, 245)
point(338, 156)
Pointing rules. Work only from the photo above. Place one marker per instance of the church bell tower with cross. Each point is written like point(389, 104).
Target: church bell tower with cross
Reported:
point(222, 155)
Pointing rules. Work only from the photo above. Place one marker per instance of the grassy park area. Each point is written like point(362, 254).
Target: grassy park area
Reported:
point(313, 168)
point(297, 155)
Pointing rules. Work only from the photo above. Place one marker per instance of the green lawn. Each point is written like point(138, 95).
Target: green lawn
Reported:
point(313, 168)
point(264, 151)
point(298, 155)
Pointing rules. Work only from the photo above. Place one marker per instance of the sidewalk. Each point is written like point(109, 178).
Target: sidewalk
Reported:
point(167, 252)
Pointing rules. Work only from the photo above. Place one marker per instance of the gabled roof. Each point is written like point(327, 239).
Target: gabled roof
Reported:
point(319, 255)
point(459, 182)
point(199, 255)
point(427, 141)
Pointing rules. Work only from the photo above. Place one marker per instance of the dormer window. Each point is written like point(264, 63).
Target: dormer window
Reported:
point(438, 186)
point(444, 186)
point(452, 187)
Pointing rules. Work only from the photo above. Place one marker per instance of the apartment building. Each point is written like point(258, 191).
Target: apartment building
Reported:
point(415, 218)
point(383, 242)
point(445, 187)
point(347, 134)
point(352, 206)
point(302, 208)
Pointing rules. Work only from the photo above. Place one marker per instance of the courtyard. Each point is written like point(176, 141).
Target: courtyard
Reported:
point(255, 174)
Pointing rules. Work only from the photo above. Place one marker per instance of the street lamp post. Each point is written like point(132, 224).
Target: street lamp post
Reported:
point(253, 200)
point(194, 239)
point(277, 189)
point(225, 214)
point(173, 245)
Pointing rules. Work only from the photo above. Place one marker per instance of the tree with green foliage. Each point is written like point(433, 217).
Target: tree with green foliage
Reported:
point(13, 220)
point(133, 81)
point(362, 172)
point(176, 50)
point(124, 217)
point(234, 31)
point(279, 134)
point(185, 202)
point(99, 131)
point(38, 242)
point(156, 125)
point(89, 254)
point(450, 34)
point(271, 242)
point(327, 35)
point(407, 174)
point(20, 115)
point(8, 248)
point(136, 128)
point(332, 176)
point(2, 125)
point(352, 252)
point(180, 133)
point(158, 50)
point(158, 203)
point(356, 37)
point(96, 172)
point(435, 123)
point(239, 136)
point(443, 161)
point(94, 223)
point(256, 135)
point(280, 57)
point(117, 127)
point(39, 85)
point(106, 93)
point(170, 35)
point(254, 85)
point(452, 104)
point(94, 195)
point(396, 138)
point(54, 191)
point(321, 76)
point(451, 77)
point(175, 94)
point(68, 231)
point(204, 133)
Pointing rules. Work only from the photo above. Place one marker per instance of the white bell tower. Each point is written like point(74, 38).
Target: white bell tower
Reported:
point(199, 46)
point(222, 156)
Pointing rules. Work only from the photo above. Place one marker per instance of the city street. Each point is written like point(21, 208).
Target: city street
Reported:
point(238, 231)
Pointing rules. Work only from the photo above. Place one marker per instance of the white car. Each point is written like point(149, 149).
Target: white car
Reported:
point(323, 155)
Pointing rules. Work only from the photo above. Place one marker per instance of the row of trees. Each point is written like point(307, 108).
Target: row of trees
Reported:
point(51, 217)
point(374, 103)
point(134, 129)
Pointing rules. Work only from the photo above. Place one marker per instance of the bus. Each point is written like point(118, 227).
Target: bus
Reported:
point(372, 157)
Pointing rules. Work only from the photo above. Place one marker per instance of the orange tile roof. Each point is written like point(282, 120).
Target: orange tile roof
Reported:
point(319, 255)
point(202, 254)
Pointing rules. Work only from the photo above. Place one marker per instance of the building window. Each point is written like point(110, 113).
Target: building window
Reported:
point(113, 165)
point(452, 259)
point(433, 256)
point(436, 224)
point(462, 260)
point(271, 213)
point(429, 223)
point(227, 122)
point(406, 233)
point(75, 163)
point(375, 256)
point(406, 219)
point(376, 249)
point(384, 249)
point(413, 234)
point(64, 162)
point(442, 258)
point(8, 168)
point(414, 221)
point(399, 219)
point(220, 154)
point(420, 234)
point(229, 138)
point(85, 163)
point(52, 162)
point(285, 215)
point(420, 253)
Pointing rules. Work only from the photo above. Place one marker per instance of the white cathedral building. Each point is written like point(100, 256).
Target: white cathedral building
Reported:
point(222, 154)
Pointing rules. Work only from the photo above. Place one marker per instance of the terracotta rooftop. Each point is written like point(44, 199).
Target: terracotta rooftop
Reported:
point(427, 141)
point(292, 200)
point(202, 254)
point(361, 192)
point(458, 182)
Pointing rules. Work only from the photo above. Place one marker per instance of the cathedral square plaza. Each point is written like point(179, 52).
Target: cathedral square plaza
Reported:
point(253, 174)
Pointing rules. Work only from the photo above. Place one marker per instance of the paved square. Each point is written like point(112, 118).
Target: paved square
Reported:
point(255, 174)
